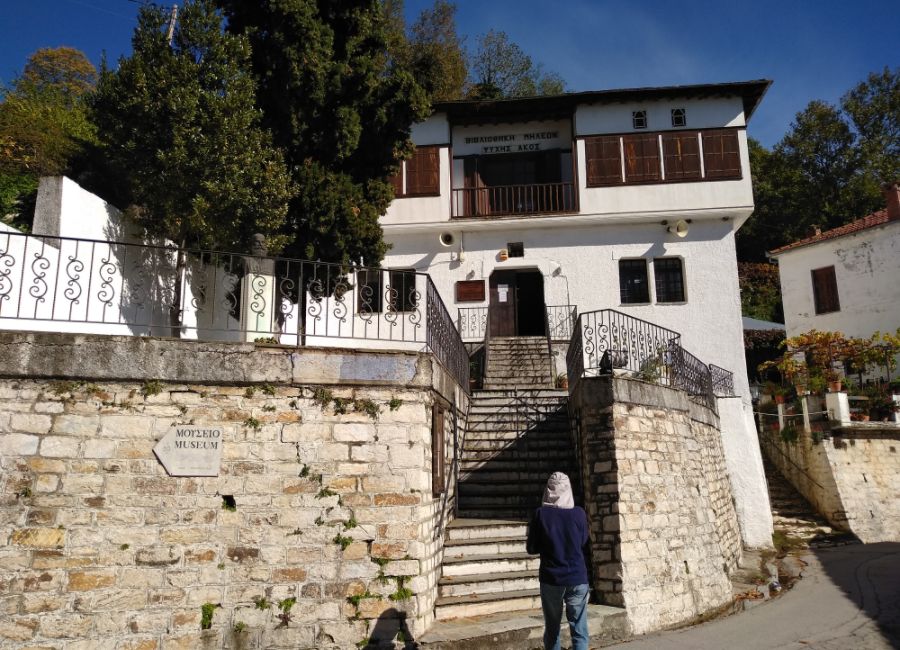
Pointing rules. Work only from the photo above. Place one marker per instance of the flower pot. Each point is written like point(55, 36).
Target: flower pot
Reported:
point(779, 399)
point(834, 386)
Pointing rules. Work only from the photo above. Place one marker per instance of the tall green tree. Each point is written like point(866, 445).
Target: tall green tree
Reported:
point(437, 56)
point(44, 124)
point(499, 68)
point(873, 107)
point(340, 108)
point(179, 122)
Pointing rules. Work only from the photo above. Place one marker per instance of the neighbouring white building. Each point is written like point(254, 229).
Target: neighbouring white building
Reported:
point(521, 210)
point(846, 279)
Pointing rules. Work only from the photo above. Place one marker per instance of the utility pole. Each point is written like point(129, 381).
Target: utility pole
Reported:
point(172, 20)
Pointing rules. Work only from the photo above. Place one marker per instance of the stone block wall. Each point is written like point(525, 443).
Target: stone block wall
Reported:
point(333, 517)
point(852, 478)
point(664, 531)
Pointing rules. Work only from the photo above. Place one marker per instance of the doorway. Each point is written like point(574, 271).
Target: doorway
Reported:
point(517, 305)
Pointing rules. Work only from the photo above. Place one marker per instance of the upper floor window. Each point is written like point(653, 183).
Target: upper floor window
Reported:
point(669, 275)
point(825, 292)
point(721, 155)
point(641, 157)
point(681, 155)
point(420, 175)
point(603, 159)
point(662, 156)
point(633, 285)
point(368, 292)
point(401, 293)
point(679, 117)
point(639, 119)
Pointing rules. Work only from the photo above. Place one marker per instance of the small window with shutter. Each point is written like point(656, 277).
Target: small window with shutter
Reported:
point(721, 155)
point(423, 173)
point(639, 119)
point(825, 292)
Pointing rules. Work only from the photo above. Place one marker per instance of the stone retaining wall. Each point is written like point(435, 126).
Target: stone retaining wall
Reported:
point(664, 531)
point(326, 459)
point(852, 479)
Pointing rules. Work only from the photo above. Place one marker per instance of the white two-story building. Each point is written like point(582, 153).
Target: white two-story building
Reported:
point(522, 210)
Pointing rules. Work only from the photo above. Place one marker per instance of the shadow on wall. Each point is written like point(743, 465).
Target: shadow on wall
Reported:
point(389, 628)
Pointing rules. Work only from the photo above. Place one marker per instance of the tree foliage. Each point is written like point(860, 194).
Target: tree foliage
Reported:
point(436, 53)
point(827, 169)
point(500, 69)
point(43, 125)
point(341, 110)
point(760, 291)
point(178, 121)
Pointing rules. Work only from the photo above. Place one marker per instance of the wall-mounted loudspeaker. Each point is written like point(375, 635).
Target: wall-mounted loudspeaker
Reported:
point(446, 239)
point(680, 228)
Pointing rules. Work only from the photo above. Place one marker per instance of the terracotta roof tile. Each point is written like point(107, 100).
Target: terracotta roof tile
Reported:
point(877, 218)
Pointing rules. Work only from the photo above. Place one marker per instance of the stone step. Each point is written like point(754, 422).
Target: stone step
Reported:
point(460, 548)
point(496, 512)
point(484, 564)
point(486, 473)
point(517, 629)
point(500, 440)
point(487, 393)
point(463, 529)
point(485, 486)
point(523, 502)
point(480, 605)
point(487, 583)
point(502, 465)
point(529, 456)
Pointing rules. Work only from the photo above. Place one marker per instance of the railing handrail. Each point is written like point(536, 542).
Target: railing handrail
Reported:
point(486, 188)
point(132, 288)
point(612, 340)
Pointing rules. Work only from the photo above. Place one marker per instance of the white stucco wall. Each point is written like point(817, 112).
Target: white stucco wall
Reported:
point(867, 270)
point(597, 119)
point(65, 209)
point(424, 209)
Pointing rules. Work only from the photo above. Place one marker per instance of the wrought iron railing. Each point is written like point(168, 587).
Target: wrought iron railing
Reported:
point(722, 381)
point(692, 376)
point(498, 200)
point(560, 322)
point(87, 286)
point(472, 323)
point(609, 342)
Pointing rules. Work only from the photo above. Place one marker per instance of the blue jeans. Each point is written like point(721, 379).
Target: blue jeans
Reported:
point(576, 599)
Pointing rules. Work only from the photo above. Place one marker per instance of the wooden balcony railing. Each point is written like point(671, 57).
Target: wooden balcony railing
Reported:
point(499, 200)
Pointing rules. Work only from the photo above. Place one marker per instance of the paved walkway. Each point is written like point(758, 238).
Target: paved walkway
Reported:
point(848, 599)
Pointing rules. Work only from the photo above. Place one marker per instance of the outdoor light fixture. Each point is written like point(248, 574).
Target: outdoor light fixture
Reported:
point(504, 254)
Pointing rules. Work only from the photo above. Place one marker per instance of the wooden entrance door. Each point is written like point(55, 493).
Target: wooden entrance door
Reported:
point(502, 306)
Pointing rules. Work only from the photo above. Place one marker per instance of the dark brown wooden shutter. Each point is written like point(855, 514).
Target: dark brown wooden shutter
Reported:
point(423, 172)
point(721, 154)
point(641, 157)
point(470, 291)
point(681, 155)
point(825, 293)
point(603, 160)
point(396, 182)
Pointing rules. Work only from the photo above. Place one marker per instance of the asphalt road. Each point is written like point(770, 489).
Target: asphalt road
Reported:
point(848, 599)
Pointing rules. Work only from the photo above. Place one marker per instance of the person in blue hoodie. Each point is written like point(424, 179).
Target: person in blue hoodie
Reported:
point(558, 531)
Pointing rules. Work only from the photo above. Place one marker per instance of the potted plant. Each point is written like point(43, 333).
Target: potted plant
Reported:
point(562, 381)
point(880, 405)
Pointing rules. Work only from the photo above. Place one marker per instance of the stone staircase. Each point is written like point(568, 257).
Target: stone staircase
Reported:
point(518, 362)
point(517, 435)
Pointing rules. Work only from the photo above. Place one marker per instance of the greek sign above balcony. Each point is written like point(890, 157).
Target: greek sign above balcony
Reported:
point(511, 138)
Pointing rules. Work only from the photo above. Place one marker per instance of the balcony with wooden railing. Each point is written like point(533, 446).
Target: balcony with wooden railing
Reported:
point(508, 200)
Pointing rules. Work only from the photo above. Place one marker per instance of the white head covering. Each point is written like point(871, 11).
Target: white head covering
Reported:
point(558, 493)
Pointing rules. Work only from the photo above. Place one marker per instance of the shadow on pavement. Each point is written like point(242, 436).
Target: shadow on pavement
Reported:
point(869, 575)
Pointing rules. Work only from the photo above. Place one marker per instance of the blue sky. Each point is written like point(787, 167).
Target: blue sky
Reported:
point(811, 49)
